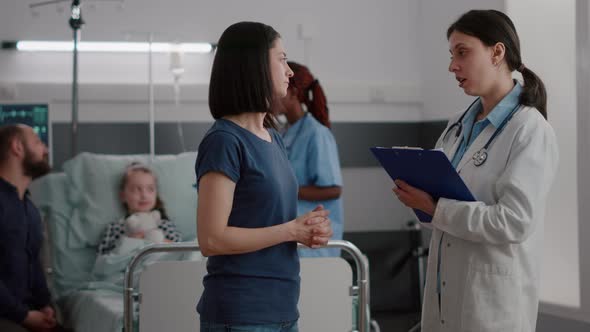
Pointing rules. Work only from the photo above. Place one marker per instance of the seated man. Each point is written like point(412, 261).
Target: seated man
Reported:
point(24, 296)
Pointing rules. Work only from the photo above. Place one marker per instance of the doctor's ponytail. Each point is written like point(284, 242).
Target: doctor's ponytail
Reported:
point(533, 92)
point(491, 27)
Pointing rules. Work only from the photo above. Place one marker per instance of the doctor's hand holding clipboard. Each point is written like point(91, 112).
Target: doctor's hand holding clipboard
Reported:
point(483, 264)
point(413, 197)
point(422, 177)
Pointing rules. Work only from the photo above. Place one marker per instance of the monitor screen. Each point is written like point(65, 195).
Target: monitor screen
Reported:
point(34, 115)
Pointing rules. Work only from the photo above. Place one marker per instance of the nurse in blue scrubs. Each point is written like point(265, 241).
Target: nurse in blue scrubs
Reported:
point(312, 151)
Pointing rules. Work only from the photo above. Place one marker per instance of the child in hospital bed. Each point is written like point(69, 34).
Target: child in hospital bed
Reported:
point(139, 195)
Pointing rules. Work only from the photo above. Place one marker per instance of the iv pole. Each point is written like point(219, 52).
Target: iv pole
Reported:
point(151, 100)
point(76, 23)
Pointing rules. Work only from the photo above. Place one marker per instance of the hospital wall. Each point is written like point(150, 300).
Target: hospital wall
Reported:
point(583, 131)
point(372, 102)
point(368, 200)
point(557, 66)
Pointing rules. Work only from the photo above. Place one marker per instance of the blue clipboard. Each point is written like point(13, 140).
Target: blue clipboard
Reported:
point(428, 170)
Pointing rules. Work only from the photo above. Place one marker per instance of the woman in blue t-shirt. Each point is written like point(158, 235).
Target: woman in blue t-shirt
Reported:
point(247, 218)
point(312, 150)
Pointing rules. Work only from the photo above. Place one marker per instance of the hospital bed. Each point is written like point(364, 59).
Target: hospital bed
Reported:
point(78, 203)
point(326, 302)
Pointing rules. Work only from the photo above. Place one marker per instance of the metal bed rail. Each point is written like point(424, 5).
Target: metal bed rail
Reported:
point(361, 288)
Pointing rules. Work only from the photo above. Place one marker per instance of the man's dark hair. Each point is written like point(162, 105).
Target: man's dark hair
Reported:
point(7, 134)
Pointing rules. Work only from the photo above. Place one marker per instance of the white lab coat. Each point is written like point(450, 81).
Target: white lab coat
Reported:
point(491, 249)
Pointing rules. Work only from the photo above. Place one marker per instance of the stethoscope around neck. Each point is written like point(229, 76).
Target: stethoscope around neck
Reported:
point(479, 158)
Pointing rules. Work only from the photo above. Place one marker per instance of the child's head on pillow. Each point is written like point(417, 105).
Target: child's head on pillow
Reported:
point(138, 190)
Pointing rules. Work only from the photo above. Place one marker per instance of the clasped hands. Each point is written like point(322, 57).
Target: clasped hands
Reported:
point(42, 320)
point(313, 229)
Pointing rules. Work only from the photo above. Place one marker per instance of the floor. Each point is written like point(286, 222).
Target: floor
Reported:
point(398, 322)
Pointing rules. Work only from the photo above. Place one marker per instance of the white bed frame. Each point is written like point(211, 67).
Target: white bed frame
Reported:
point(326, 300)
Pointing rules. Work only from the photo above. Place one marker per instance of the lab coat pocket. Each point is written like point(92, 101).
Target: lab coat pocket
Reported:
point(491, 300)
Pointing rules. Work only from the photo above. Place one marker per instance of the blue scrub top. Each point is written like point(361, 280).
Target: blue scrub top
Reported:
point(313, 154)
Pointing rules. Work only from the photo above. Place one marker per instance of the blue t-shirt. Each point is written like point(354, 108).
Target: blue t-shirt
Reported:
point(313, 154)
point(260, 287)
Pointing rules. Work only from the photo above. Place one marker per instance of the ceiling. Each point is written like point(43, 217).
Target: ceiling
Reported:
point(116, 20)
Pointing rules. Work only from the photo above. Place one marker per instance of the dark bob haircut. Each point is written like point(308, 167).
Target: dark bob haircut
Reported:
point(240, 78)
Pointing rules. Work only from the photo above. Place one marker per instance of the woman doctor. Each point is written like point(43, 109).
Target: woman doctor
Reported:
point(483, 266)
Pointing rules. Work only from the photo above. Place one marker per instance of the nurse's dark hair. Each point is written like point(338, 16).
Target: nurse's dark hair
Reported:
point(491, 27)
point(241, 79)
point(309, 92)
